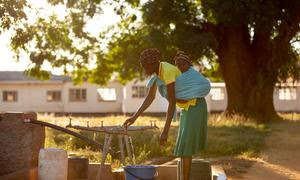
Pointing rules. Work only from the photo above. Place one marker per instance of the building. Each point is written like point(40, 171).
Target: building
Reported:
point(60, 95)
point(286, 97)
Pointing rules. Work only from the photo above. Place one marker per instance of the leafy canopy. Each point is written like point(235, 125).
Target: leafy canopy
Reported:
point(196, 27)
point(12, 12)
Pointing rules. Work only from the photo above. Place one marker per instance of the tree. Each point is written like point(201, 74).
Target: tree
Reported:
point(251, 41)
point(11, 12)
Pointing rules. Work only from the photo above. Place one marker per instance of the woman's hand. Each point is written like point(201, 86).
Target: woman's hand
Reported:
point(129, 122)
point(163, 138)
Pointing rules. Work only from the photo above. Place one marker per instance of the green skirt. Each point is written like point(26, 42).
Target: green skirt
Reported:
point(192, 134)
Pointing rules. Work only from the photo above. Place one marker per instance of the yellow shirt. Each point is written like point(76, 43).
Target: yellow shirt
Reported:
point(168, 74)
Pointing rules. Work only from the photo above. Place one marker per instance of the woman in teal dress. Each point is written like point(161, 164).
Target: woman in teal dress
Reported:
point(192, 132)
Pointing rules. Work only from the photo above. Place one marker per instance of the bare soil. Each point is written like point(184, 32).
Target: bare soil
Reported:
point(280, 159)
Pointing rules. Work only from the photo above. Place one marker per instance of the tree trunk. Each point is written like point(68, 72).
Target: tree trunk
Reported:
point(249, 84)
point(254, 101)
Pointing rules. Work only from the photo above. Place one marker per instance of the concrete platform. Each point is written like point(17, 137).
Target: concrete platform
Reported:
point(165, 172)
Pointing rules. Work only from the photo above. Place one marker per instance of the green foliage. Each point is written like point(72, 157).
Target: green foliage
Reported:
point(12, 12)
point(214, 72)
point(64, 43)
point(196, 27)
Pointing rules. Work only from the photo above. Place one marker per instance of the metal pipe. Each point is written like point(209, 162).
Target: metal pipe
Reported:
point(113, 129)
point(42, 123)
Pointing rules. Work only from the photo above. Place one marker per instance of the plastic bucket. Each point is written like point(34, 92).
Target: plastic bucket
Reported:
point(140, 172)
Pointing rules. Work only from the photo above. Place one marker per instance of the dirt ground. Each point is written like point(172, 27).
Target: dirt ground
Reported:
point(280, 158)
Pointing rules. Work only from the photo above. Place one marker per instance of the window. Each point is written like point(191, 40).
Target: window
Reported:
point(53, 96)
point(217, 94)
point(77, 94)
point(287, 94)
point(107, 94)
point(10, 96)
point(139, 91)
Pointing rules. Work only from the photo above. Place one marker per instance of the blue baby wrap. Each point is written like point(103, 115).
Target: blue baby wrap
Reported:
point(189, 85)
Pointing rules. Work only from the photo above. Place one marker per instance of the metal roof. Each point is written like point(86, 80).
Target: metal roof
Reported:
point(20, 76)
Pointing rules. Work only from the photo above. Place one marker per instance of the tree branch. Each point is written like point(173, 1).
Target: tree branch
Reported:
point(289, 26)
point(204, 28)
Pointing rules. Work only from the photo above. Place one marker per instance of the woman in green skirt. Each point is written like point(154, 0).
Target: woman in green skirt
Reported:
point(192, 132)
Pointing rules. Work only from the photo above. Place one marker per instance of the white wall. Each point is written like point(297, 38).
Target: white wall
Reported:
point(218, 105)
point(92, 104)
point(130, 104)
point(31, 97)
point(287, 105)
point(280, 105)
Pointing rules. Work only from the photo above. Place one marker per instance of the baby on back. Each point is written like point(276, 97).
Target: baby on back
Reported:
point(190, 84)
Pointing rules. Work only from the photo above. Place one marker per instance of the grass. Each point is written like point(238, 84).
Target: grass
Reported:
point(226, 137)
point(290, 116)
point(236, 136)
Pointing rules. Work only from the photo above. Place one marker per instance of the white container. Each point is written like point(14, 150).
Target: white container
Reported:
point(53, 164)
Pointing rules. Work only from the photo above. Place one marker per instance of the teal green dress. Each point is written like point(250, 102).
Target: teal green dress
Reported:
point(192, 133)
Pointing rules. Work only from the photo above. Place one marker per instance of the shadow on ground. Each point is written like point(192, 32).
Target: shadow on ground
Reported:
point(280, 156)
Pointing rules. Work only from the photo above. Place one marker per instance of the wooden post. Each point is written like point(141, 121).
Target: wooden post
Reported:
point(107, 141)
point(132, 149)
point(121, 145)
point(128, 147)
point(108, 138)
